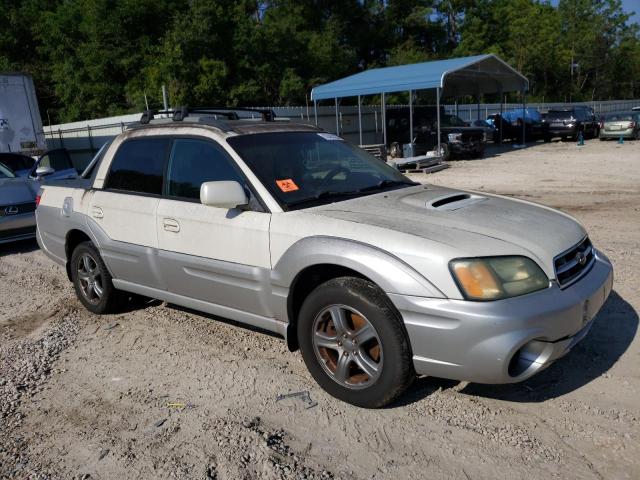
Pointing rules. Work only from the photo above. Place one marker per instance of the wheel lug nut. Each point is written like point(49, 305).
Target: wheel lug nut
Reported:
point(346, 354)
point(339, 344)
point(344, 335)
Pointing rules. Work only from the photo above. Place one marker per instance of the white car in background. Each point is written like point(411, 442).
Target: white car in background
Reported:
point(291, 229)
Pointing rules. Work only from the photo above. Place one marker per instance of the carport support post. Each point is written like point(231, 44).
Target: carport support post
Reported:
point(411, 118)
point(438, 115)
point(501, 122)
point(315, 111)
point(360, 119)
point(384, 120)
point(337, 120)
point(524, 117)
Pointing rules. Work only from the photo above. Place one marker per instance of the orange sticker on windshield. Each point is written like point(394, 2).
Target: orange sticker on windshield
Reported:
point(287, 185)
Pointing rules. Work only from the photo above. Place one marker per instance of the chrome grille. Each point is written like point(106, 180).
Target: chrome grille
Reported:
point(574, 263)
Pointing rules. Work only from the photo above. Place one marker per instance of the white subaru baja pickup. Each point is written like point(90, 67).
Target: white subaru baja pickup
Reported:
point(285, 227)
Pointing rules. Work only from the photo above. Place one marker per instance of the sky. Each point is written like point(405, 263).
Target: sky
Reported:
point(627, 6)
point(632, 5)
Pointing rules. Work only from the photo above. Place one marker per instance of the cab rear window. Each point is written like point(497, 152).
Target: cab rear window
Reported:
point(138, 166)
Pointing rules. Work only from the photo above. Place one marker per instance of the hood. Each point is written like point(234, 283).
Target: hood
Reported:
point(470, 224)
point(17, 190)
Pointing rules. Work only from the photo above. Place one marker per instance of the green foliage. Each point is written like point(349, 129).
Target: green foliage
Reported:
point(101, 57)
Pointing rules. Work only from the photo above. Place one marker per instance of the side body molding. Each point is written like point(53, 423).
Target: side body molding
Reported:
point(387, 271)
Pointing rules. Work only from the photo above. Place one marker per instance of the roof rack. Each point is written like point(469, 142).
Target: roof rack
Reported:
point(180, 113)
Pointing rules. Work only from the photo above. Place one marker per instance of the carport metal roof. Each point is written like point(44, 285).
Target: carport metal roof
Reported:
point(454, 77)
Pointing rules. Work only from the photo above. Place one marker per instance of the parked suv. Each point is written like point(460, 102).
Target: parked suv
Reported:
point(570, 121)
point(291, 229)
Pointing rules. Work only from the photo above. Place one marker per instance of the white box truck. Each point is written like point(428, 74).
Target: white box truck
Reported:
point(20, 122)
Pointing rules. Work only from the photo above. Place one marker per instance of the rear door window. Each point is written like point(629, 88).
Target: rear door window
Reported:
point(138, 166)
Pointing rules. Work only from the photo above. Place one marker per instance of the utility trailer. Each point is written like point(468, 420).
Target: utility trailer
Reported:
point(20, 122)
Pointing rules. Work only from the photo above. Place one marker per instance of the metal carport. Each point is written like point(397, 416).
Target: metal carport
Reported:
point(454, 77)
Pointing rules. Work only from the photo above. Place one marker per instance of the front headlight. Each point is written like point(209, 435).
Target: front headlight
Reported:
point(494, 278)
point(455, 137)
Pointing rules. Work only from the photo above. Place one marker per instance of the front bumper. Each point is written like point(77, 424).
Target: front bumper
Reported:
point(17, 227)
point(503, 341)
point(459, 148)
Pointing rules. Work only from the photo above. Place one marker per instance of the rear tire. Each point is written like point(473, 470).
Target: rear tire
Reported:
point(92, 280)
point(354, 342)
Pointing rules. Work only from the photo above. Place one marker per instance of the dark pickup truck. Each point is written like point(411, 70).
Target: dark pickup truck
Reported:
point(456, 138)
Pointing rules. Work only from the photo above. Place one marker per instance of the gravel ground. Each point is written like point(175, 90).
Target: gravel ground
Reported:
point(159, 392)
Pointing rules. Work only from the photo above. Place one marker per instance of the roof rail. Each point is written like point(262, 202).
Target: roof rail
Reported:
point(182, 112)
point(149, 115)
point(268, 115)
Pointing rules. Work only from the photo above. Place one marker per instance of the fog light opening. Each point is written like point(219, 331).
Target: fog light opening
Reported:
point(529, 358)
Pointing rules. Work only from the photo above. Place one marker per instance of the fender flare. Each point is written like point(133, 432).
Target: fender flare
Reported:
point(389, 272)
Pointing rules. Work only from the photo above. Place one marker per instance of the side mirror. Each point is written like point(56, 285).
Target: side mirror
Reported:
point(223, 194)
point(44, 171)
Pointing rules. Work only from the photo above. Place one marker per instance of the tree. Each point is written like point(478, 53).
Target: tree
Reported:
point(92, 58)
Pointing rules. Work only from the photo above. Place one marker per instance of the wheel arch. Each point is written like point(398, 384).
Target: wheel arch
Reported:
point(314, 260)
point(73, 238)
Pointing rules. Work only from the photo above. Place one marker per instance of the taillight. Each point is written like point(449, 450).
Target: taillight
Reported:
point(632, 124)
point(38, 197)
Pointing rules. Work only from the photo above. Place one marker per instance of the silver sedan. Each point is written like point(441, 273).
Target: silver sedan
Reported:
point(17, 206)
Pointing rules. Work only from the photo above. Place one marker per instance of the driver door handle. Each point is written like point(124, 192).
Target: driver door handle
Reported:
point(170, 225)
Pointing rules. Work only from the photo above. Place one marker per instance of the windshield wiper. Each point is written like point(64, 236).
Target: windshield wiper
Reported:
point(388, 183)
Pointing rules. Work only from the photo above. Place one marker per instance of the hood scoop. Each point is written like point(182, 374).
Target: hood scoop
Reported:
point(454, 202)
point(448, 202)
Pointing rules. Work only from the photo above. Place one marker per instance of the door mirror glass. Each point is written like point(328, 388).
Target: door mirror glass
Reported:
point(44, 171)
point(223, 194)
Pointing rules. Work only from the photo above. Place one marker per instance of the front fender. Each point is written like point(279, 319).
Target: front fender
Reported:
point(390, 273)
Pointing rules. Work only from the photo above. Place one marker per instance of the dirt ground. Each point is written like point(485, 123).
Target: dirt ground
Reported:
point(158, 392)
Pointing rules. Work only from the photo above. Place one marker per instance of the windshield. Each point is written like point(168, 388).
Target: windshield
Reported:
point(5, 172)
point(303, 169)
point(560, 115)
point(620, 117)
point(453, 121)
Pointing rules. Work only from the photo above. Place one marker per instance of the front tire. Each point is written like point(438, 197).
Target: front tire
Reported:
point(92, 280)
point(354, 343)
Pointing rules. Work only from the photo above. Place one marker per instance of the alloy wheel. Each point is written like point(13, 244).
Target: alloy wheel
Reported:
point(347, 346)
point(90, 278)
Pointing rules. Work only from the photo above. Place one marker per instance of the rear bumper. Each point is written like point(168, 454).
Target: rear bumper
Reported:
point(628, 133)
point(504, 341)
point(17, 227)
point(561, 131)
